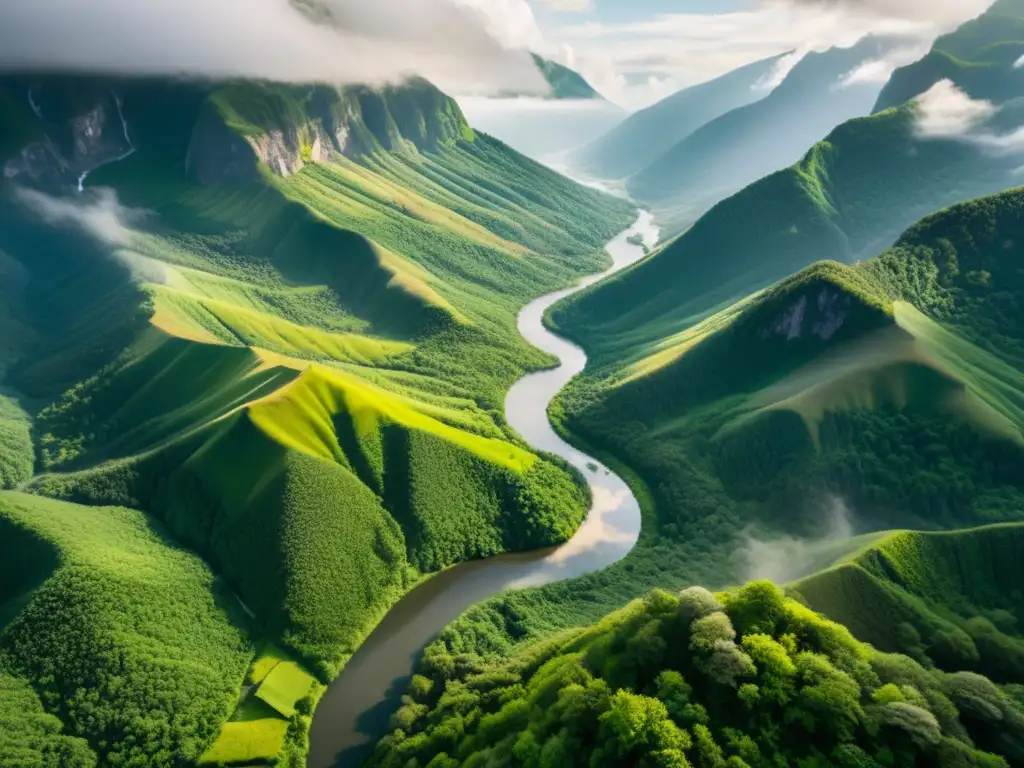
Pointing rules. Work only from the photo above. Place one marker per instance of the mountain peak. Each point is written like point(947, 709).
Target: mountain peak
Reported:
point(565, 83)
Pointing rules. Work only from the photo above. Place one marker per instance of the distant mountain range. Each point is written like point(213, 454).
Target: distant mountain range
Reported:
point(741, 146)
point(848, 198)
point(649, 133)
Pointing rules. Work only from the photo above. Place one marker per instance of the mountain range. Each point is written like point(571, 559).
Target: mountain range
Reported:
point(255, 344)
point(273, 331)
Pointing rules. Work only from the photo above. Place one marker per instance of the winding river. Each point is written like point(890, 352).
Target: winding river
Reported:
point(354, 712)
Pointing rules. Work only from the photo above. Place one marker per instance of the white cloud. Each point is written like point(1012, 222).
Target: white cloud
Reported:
point(780, 71)
point(683, 49)
point(569, 6)
point(946, 112)
point(382, 41)
point(878, 71)
point(511, 22)
point(98, 214)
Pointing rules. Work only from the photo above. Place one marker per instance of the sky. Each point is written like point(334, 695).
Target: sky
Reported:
point(638, 51)
point(633, 51)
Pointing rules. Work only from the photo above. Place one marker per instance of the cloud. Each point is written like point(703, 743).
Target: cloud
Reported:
point(683, 49)
point(946, 112)
point(455, 44)
point(783, 559)
point(942, 12)
point(878, 71)
point(569, 6)
point(100, 215)
point(511, 22)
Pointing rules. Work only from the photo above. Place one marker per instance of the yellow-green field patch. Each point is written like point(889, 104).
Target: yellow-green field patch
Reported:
point(286, 684)
point(247, 742)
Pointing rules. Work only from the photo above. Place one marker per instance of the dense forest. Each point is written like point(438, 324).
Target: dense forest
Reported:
point(744, 678)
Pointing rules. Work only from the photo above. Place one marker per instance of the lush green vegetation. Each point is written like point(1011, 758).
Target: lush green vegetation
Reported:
point(947, 599)
point(29, 736)
point(849, 198)
point(132, 642)
point(831, 384)
point(299, 375)
point(745, 678)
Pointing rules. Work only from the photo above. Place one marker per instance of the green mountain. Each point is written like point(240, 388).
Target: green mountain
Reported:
point(646, 135)
point(979, 57)
point(744, 678)
point(565, 83)
point(279, 348)
point(896, 385)
point(751, 141)
point(849, 198)
point(947, 599)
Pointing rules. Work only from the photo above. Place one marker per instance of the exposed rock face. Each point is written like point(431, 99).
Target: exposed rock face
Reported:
point(286, 127)
point(71, 147)
point(219, 155)
point(822, 317)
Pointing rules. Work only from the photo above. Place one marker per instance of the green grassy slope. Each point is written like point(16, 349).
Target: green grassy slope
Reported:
point(870, 387)
point(745, 678)
point(949, 599)
point(130, 640)
point(749, 142)
point(645, 135)
point(830, 378)
point(296, 358)
point(850, 197)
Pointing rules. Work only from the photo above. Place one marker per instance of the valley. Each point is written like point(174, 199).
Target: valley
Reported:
point(336, 431)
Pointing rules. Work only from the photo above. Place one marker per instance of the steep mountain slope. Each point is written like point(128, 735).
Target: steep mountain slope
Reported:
point(85, 604)
point(976, 57)
point(948, 599)
point(752, 141)
point(884, 383)
point(763, 440)
point(649, 133)
point(744, 678)
point(565, 83)
point(286, 335)
point(849, 198)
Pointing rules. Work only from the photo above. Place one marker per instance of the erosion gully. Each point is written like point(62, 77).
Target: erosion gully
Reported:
point(355, 711)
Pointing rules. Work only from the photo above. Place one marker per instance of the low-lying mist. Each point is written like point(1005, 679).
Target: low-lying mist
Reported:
point(542, 128)
point(785, 558)
point(100, 215)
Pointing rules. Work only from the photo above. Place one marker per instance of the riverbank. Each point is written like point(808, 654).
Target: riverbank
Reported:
point(356, 708)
